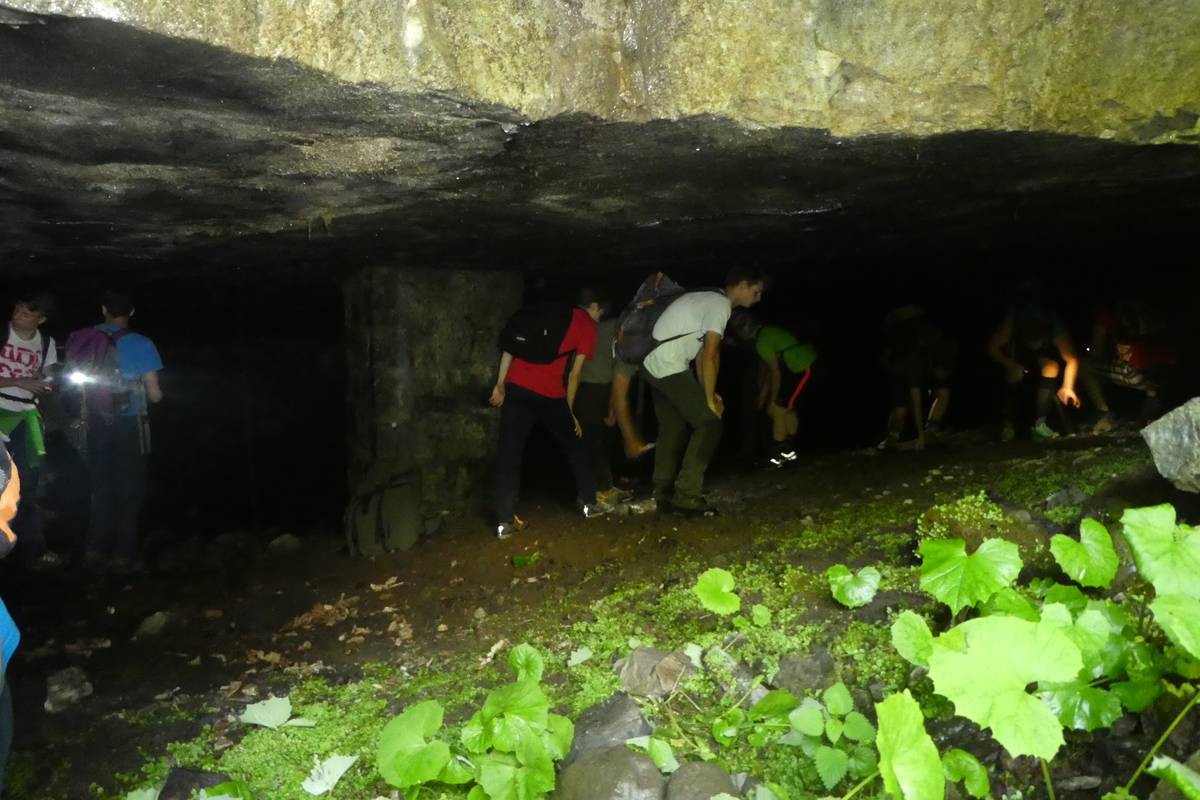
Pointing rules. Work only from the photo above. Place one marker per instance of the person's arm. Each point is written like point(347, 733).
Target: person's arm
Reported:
point(996, 344)
point(153, 387)
point(918, 408)
point(710, 365)
point(1066, 393)
point(770, 393)
point(35, 385)
point(497, 398)
point(573, 381)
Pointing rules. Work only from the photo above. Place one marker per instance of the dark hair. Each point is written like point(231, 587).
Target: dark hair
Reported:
point(751, 275)
point(593, 294)
point(118, 304)
point(37, 302)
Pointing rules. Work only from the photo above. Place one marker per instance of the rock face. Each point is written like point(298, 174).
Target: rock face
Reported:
point(1175, 442)
point(611, 773)
point(850, 66)
point(420, 433)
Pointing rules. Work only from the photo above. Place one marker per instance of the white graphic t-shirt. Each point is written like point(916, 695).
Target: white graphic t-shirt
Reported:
point(688, 318)
point(22, 358)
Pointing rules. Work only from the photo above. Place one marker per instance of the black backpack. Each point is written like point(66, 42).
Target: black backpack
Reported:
point(635, 326)
point(535, 333)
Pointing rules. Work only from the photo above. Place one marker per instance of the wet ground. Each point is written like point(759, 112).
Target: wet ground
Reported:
point(242, 616)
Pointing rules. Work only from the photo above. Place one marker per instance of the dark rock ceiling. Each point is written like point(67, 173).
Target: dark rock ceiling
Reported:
point(125, 149)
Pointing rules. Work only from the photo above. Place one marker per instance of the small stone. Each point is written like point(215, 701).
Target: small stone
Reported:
point(700, 781)
point(184, 784)
point(1080, 783)
point(65, 688)
point(285, 544)
point(806, 673)
point(480, 613)
point(155, 624)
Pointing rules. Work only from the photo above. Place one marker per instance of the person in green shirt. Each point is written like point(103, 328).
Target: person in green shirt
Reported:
point(785, 364)
point(917, 358)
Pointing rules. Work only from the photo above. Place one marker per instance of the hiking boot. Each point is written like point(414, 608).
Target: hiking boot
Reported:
point(1041, 432)
point(592, 510)
point(1008, 432)
point(614, 496)
point(505, 530)
point(693, 505)
point(783, 458)
point(1105, 424)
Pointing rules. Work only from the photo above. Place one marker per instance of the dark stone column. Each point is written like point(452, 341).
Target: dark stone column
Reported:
point(421, 361)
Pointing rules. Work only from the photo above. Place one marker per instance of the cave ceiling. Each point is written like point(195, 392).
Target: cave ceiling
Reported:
point(122, 148)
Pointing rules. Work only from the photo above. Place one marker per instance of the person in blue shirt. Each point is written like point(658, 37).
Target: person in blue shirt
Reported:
point(10, 489)
point(117, 449)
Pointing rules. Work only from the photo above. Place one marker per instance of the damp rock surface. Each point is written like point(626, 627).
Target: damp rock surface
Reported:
point(1175, 442)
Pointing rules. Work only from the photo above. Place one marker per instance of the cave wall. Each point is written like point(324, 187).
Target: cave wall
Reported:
point(421, 360)
point(1122, 70)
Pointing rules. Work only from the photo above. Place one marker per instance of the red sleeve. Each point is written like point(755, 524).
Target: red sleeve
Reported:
point(581, 335)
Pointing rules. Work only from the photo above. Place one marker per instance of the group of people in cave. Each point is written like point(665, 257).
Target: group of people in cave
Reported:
point(580, 392)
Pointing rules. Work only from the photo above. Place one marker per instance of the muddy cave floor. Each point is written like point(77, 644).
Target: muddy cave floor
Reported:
point(354, 640)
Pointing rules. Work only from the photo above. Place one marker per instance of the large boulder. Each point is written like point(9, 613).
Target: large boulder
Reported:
point(1175, 443)
point(700, 781)
point(610, 723)
point(611, 773)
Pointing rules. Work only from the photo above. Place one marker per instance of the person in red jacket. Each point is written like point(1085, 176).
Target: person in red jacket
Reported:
point(528, 394)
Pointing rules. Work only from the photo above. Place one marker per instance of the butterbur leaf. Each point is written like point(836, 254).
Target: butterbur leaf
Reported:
point(859, 728)
point(1137, 696)
point(908, 759)
point(1179, 616)
point(837, 699)
point(1091, 561)
point(808, 719)
point(421, 764)
point(832, 765)
point(458, 771)
point(959, 580)
point(960, 766)
point(523, 699)
point(715, 589)
point(477, 793)
point(1182, 777)
point(1090, 632)
point(1082, 707)
point(1009, 602)
point(911, 638)
point(577, 657)
point(526, 663)
point(983, 667)
point(271, 713)
point(405, 757)
point(1070, 596)
point(327, 773)
point(761, 615)
point(475, 735)
point(777, 703)
point(560, 733)
point(1166, 554)
point(662, 755)
point(853, 589)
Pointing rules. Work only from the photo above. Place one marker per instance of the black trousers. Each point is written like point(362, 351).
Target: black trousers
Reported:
point(523, 409)
point(591, 408)
point(117, 469)
point(31, 540)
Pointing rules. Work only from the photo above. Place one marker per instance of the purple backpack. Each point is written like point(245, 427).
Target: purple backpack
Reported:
point(93, 382)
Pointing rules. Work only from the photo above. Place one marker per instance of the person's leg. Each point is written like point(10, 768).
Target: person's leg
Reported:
point(129, 463)
point(672, 439)
point(27, 525)
point(102, 500)
point(591, 408)
point(6, 732)
point(937, 411)
point(1045, 396)
point(556, 416)
point(685, 394)
point(516, 420)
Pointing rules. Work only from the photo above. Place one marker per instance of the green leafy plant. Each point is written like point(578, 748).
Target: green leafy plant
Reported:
point(908, 759)
point(834, 735)
point(1091, 561)
point(959, 766)
point(1167, 554)
point(715, 587)
point(1186, 780)
point(853, 589)
point(959, 580)
point(659, 750)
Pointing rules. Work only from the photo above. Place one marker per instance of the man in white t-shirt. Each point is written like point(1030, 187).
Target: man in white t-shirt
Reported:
point(686, 402)
point(25, 355)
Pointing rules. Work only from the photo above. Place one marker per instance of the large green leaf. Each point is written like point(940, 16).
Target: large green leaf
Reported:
point(983, 667)
point(1166, 554)
point(1179, 616)
point(1091, 561)
point(1082, 707)
point(1182, 777)
point(911, 638)
point(560, 732)
point(959, 580)
point(908, 758)
point(832, 765)
point(1090, 632)
point(526, 663)
point(961, 766)
point(420, 765)
point(404, 751)
point(853, 589)
point(715, 589)
point(662, 755)
point(1009, 602)
point(523, 699)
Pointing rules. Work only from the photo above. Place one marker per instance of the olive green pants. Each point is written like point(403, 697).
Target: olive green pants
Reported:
point(688, 434)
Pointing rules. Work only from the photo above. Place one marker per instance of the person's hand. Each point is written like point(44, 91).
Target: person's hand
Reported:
point(1068, 397)
point(636, 447)
point(717, 405)
point(611, 419)
point(497, 398)
point(35, 385)
point(578, 427)
point(1016, 372)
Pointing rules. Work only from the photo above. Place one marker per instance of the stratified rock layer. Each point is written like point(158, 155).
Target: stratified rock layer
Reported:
point(1129, 71)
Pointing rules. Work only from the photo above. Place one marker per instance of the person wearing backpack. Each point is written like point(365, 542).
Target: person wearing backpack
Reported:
point(26, 354)
point(115, 404)
point(536, 346)
point(10, 636)
point(686, 402)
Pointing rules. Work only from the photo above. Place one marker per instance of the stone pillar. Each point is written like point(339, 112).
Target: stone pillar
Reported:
point(421, 360)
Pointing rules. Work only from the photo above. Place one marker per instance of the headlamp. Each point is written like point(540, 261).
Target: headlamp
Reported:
point(80, 378)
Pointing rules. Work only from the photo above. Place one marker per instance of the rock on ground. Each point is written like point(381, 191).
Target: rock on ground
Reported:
point(65, 688)
point(804, 673)
point(184, 784)
point(650, 672)
point(611, 773)
point(700, 781)
point(607, 724)
point(1174, 441)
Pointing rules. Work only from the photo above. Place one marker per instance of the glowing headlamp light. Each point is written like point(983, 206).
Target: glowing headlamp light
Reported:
point(80, 378)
